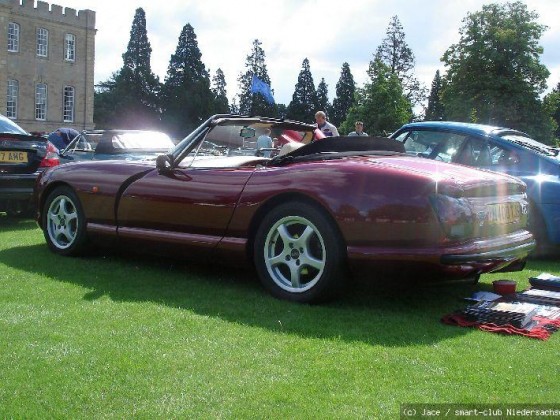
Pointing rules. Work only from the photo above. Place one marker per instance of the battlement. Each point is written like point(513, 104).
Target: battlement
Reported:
point(53, 12)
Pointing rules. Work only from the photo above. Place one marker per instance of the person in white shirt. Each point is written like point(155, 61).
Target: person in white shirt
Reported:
point(264, 142)
point(328, 129)
point(359, 129)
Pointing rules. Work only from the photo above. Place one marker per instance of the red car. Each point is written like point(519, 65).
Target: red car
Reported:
point(301, 218)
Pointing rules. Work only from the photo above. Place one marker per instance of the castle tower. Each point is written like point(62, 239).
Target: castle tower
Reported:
point(46, 65)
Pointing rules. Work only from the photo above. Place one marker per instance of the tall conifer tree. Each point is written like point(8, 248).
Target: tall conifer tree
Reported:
point(221, 103)
point(323, 103)
point(254, 103)
point(345, 90)
point(130, 98)
point(395, 53)
point(304, 102)
point(188, 100)
point(435, 110)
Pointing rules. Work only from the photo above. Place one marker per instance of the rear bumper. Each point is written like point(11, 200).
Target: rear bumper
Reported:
point(17, 186)
point(454, 260)
point(509, 254)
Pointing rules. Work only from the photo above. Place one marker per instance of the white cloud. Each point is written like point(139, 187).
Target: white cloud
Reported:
point(327, 32)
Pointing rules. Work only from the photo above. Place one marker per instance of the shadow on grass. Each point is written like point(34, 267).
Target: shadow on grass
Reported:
point(8, 223)
point(389, 315)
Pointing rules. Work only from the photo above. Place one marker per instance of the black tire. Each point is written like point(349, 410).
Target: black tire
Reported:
point(299, 255)
point(537, 226)
point(63, 222)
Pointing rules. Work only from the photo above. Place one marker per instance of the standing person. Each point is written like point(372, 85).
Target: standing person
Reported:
point(359, 129)
point(264, 142)
point(328, 129)
point(61, 137)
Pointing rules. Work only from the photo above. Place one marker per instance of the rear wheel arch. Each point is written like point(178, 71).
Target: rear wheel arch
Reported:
point(298, 251)
point(282, 199)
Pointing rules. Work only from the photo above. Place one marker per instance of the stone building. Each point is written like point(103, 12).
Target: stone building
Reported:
point(46, 65)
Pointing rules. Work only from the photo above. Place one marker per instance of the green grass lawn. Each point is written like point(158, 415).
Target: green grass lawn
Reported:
point(121, 336)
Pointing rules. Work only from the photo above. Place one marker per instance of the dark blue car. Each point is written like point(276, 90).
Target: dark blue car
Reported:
point(501, 150)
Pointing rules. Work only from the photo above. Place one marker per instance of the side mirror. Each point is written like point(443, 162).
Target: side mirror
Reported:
point(164, 162)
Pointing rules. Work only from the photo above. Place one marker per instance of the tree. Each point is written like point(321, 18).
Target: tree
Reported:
point(188, 99)
point(494, 70)
point(435, 111)
point(345, 90)
point(129, 99)
point(381, 104)
point(304, 102)
point(323, 97)
point(282, 110)
point(221, 103)
point(254, 103)
point(551, 104)
point(395, 53)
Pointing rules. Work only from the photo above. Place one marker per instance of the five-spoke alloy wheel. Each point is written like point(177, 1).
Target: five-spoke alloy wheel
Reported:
point(64, 222)
point(298, 253)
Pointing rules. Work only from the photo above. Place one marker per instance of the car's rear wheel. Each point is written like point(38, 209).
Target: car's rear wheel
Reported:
point(64, 222)
point(298, 254)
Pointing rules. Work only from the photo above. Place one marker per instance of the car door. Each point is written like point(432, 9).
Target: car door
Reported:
point(188, 207)
point(189, 204)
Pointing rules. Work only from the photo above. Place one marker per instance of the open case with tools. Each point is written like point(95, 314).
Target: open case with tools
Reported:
point(534, 312)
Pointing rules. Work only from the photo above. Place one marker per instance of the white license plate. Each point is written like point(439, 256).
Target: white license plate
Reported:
point(504, 213)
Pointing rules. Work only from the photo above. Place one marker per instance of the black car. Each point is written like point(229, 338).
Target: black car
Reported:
point(22, 157)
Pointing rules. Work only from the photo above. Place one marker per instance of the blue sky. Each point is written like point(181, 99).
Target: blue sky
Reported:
point(327, 32)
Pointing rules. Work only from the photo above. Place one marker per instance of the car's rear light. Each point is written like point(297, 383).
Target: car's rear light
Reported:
point(456, 215)
point(51, 158)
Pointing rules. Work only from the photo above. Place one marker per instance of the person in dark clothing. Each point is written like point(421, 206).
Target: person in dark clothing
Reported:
point(62, 137)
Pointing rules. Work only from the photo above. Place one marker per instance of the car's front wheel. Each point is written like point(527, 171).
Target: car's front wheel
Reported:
point(64, 222)
point(298, 254)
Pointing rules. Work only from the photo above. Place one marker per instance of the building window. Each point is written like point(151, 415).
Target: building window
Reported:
point(68, 104)
point(42, 42)
point(69, 47)
point(41, 102)
point(12, 99)
point(13, 37)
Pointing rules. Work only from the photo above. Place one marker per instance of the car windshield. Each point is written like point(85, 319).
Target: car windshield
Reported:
point(142, 140)
point(241, 139)
point(531, 144)
point(10, 127)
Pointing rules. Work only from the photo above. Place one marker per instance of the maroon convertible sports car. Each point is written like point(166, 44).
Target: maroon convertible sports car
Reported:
point(301, 218)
